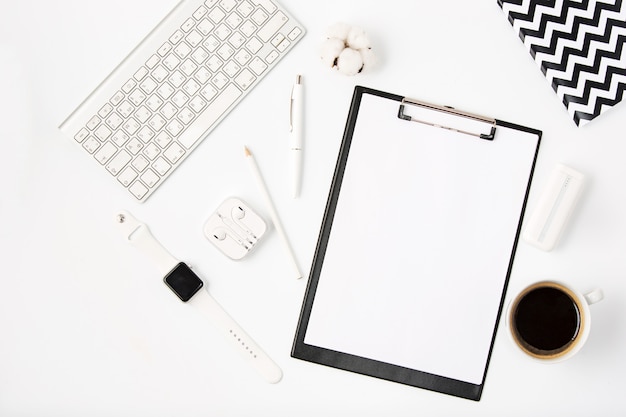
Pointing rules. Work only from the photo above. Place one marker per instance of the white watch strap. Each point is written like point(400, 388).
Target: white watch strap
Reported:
point(239, 339)
point(139, 235)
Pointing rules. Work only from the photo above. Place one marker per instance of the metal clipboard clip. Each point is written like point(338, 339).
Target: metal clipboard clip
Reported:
point(448, 110)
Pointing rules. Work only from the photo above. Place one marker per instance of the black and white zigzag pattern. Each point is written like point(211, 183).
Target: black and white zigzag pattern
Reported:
point(580, 48)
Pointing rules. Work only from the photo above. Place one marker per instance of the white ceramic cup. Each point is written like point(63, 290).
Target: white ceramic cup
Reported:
point(533, 316)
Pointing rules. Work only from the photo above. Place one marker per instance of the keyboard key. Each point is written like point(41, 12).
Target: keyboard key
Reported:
point(148, 85)
point(141, 72)
point(91, 144)
point(293, 35)
point(134, 146)
point(225, 52)
point(142, 114)
point(140, 163)
point(105, 153)
point(168, 110)
point(114, 121)
point(194, 39)
point(188, 25)
point(197, 104)
point(254, 45)
point(272, 56)
point(245, 8)
point(175, 127)
point(161, 166)
point(210, 115)
point(102, 133)
point(163, 139)
point(209, 93)
point(182, 50)
point(276, 22)
point(118, 162)
point(211, 43)
point(171, 62)
point(152, 61)
point(176, 37)
point(131, 126)
point(222, 32)
point(138, 190)
point(179, 99)
point(282, 47)
point(125, 109)
point(160, 73)
point(116, 98)
point(258, 66)
point(154, 102)
point(128, 86)
point(236, 40)
point(174, 153)
point(234, 20)
point(191, 87)
point(188, 67)
point(165, 49)
point(267, 5)
point(248, 28)
point(151, 151)
point(93, 122)
point(145, 134)
point(105, 110)
point(202, 75)
point(119, 138)
point(228, 5)
point(214, 63)
point(157, 122)
point(186, 115)
point(165, 91)
point(200, 12)
point(177, 79)
point(245, 79)
point(200, 55)
point(81, 135)
point(220, 80)
point(259, 17)
point(216, 15)
point(205, 27)
point(242, 57)
point(137, 97)
point(150, 178)
point(127, 176)
point(231, 69)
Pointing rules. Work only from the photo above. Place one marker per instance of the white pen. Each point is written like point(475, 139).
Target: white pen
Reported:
point(270, 206)
point(296, 121)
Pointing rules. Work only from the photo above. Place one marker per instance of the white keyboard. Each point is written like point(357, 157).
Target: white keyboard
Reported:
point(175, 87)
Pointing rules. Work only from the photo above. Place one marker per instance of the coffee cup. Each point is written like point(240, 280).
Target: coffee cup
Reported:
point(550, 321)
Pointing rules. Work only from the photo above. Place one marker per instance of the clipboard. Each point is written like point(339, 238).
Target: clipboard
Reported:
point(416, 244)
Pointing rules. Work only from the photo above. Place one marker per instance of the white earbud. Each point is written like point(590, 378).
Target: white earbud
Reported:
point(221, 233)
point(238, 213)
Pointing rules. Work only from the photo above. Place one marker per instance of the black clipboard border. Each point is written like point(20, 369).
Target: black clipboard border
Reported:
point(365, 366)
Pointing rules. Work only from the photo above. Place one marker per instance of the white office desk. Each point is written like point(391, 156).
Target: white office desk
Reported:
point(88, 328)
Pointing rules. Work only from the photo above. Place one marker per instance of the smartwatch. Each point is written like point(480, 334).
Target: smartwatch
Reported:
point(188, 288)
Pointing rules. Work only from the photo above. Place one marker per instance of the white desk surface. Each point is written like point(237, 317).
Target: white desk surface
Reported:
point(88, 328)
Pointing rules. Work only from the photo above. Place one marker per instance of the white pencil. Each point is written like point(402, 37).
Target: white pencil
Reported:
point(270, 206)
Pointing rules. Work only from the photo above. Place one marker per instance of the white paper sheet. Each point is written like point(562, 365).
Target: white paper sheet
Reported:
point(420, 245)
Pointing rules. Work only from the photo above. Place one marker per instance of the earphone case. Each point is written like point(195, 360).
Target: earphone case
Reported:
point(234, 228)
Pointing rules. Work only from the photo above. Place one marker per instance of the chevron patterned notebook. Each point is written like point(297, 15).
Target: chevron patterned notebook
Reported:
point(580, 48)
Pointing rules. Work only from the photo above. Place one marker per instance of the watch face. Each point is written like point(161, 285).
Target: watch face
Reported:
point(183, 282)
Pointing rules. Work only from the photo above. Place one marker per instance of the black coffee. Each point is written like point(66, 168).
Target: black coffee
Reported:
point(547, 320)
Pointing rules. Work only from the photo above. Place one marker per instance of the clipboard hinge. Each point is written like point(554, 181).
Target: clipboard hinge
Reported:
point(449, 110)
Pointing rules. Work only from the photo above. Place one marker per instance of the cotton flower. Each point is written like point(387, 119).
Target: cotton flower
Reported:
point(347, 49)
